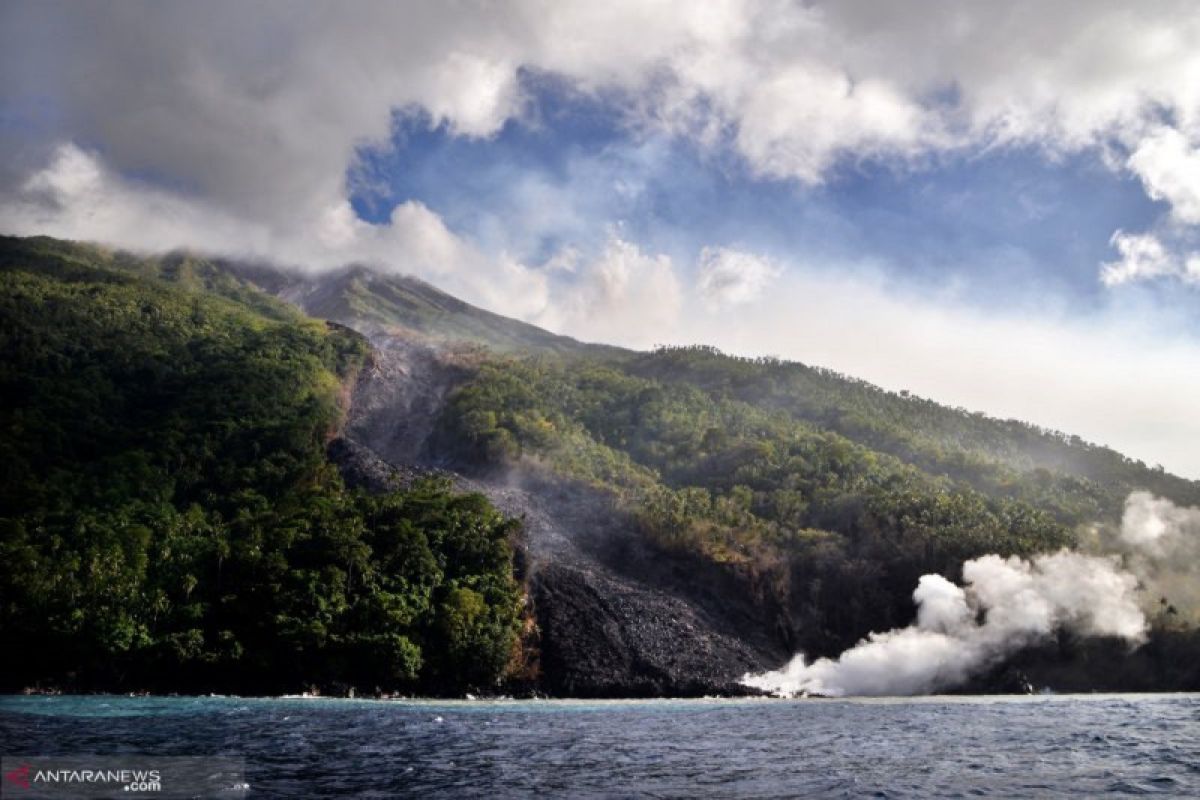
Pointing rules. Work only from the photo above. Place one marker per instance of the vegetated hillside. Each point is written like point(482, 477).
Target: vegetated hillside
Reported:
point(1073, 479)
point(829, 534)
point(840, 532)
point(168, 518)
point(195, 274)
point(689, 515)
point(1076, 480)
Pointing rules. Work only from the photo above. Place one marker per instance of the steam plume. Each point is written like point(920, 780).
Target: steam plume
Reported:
point(1160, 543)
point(1005, 605)
point(1152, 559)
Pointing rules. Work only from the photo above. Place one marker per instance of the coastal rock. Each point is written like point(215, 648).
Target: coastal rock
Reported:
point(607, 637)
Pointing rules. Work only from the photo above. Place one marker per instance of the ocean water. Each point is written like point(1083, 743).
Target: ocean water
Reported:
point(1055, 746)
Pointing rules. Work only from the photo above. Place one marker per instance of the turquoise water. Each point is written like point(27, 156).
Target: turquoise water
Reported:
point(1056, 746)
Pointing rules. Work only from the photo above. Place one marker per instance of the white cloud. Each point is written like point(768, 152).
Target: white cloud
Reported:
point(733, 277)
point(77, 196)
point(624, 297)
point(259, 108)
point(1169, 167)
point(1145, 257)
point(1191, 269)
point(1142, 256)
point(796, 122)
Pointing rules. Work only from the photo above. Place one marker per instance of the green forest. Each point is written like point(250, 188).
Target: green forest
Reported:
point(168, 517)
point(719, 459)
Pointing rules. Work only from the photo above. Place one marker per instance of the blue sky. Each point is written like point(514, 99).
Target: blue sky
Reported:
point(1006, 227)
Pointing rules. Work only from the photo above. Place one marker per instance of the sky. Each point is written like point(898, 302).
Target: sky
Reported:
point(994, 205)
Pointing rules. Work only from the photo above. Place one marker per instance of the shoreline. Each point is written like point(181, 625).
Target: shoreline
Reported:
point(503, 700)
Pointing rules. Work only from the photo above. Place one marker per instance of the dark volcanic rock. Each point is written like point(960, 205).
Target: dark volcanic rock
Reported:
point(618, 618)
point(361, 468)
point(606, 637)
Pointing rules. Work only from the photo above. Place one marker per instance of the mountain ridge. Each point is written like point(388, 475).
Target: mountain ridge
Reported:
point(838, 402)
point(372, 298)
point(688, 516)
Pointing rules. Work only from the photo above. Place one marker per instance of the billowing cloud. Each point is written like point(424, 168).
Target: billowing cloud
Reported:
point(77, 196)
point(1143, 256)
point(1169, 167)
point(259, 109)
point(733, 277)
point(624, 296)
point(796, 122)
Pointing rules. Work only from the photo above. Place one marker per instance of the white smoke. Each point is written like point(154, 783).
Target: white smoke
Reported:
point(1151, 562)
point(1160, 543)
point(1005, 605)
point(1159, 529)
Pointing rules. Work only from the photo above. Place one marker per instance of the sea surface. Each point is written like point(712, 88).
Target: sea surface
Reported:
point(1051, 746)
